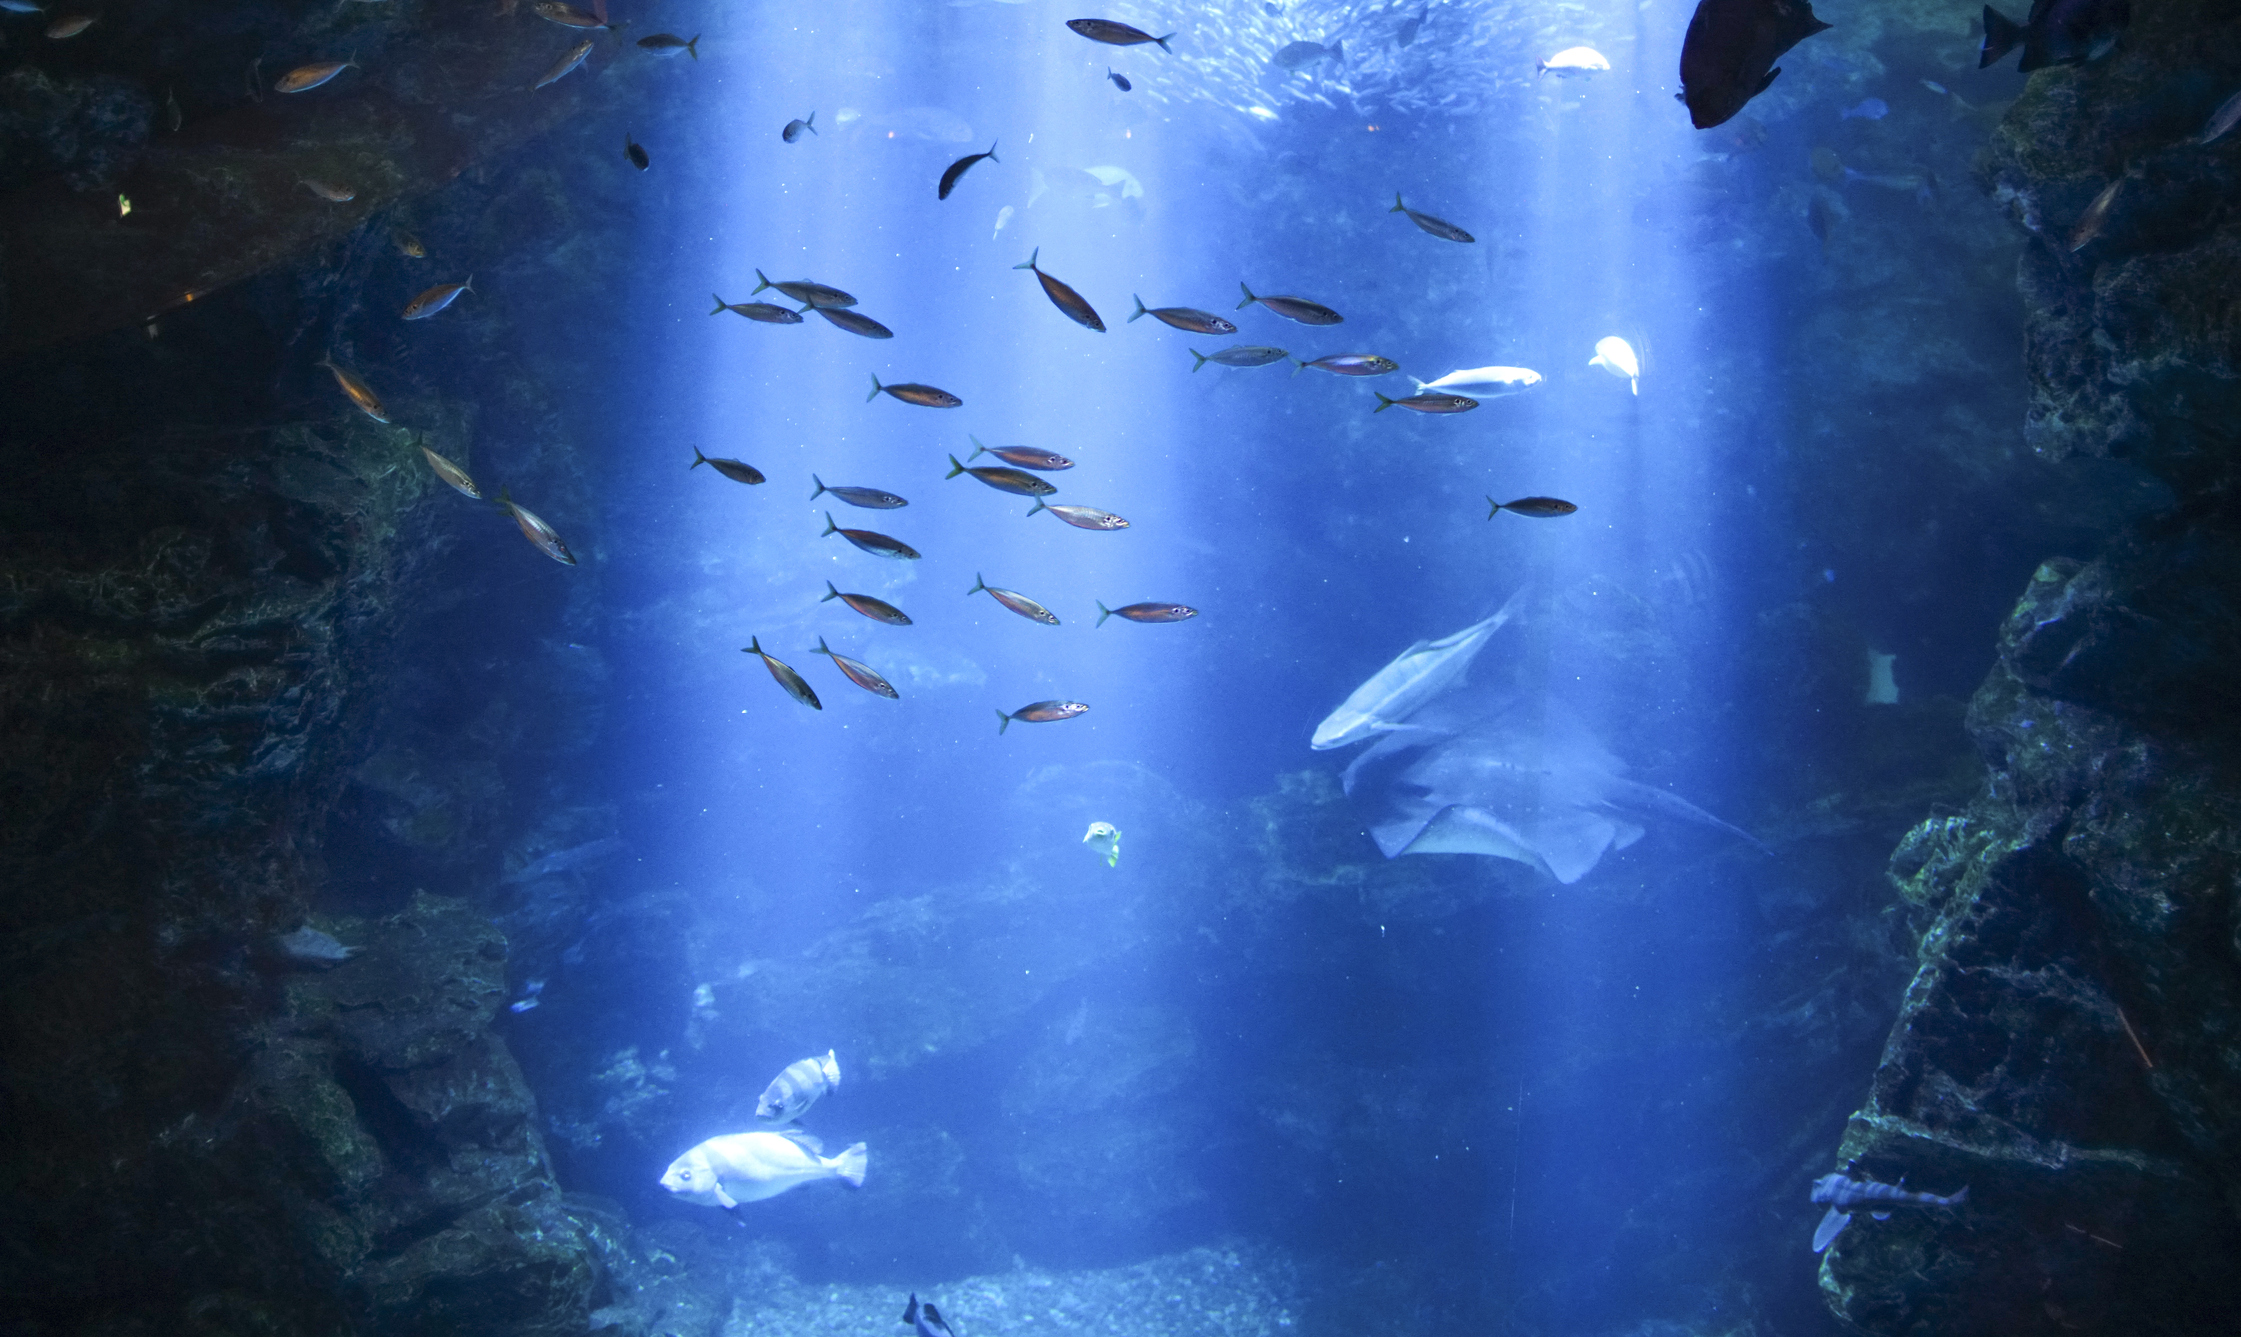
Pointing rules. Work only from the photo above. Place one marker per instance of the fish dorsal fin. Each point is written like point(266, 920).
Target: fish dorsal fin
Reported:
point(806, 1141)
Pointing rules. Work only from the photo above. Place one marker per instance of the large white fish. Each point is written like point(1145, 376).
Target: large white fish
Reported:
point(1483, 382)
point(792, 1092)
point(1398, 690)
point(748, 1167)
point(1616, 356)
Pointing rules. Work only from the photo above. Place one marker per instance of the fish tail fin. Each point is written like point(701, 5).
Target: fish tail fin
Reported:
point(822, 648)
point(1384, 401)
point(1419, 384)
point(848, 1166)
point(992, 150)
point(876, 386)
point(978, 448)
point(721, 304)
point(1004, 716)
point(811, 124)
point(1201, 359)
point(698, 459)
point(1958, 1198)
point(1139, 308)
point(820, 487)
point(1249, 298)
point(692, 48)
point(2001, 35)
point(1398, 207)
point(1338, 51)
point(955, 468)
point(1163, 44)
point(754, 646)
point(762, 281)
point(1298, 366)
point(469, 285)
point(1102, 612)
point(1493, 508)
point(1038, 506)
point(979, 584)
point(1030, 260)
point(830, 527)
point(831, 592)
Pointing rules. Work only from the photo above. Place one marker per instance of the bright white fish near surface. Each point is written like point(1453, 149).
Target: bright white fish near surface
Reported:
point(1616, 356)
point(1395, 692)
point(801, 1085)
point(1483, 382)
point(1841, 1191)
point(749, 1167)
point(1003, 216)
point(1575, 60)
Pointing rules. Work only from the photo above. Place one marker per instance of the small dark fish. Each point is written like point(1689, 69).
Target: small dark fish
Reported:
point(1003, 480)
point(304, 78)
point(785, 675)
point(171, 110)
point(2058, 32)
point(735, 470)
point(539, 534)
point(1025, 457)
point(1151, 612)
point(562, 66)
point(793, 129)
point(860, 673)
point(805, 292)
point(1293, 308)
point(1537, 508)
point(408, 244)
point(1438, 227)
point(855, 322)
point(1728, 56)
point(1409, 27)
point(636, 152)
point(1867, 109)
point(1119, 81)
point(878, 545)
point(910, 392)
point(766, 312)
point(567, 15)
point(2095, 217)
point(926, 1318)
point(956, 169)
point(1064, 297)
point(1185, 318)
point(1292, 57)
point(878, 610)
point(1350, 364)
point(1014, 600)
point(1427, 403)
point(1081, 517)
point(1819, 217)
point(1117, 34)
point(870, 498)
point(669, 44)
point(1041, 712)
point(1240, 355)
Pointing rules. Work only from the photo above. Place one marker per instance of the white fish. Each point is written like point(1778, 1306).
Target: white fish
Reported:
point(2221, 120)
point(748, 1167)
point(1883, 688)
point(1575, 60)
point(309, 947)
point(1398, 690)
point(792, 1092)
point(1616, 356)
point(1003, 216)
point(21, 7)
point(1483, 382)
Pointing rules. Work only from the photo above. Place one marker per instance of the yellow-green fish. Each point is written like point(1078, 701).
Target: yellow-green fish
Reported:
point(359, 394)
point(1104, 838)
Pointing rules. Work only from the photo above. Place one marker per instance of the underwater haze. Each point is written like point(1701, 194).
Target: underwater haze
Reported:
point(941, 787)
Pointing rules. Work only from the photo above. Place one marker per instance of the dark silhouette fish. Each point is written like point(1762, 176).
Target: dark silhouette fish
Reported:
point(957, 169)
point(1188, 318)
point(1438, 227)
point(735, 470)
point(1410, 27)
point(1240, 355)
point(877, 544)
point(636, 152)
point(1081, 517)
point(925, 1318)
point(910, 392)
point(1026, 457)
point(784, 674)
point(765, 312)
point(860, 673)
point(1064, 297)
point(1041, 712)
point(669, 44)
point(2058, 32)
point(1349, 364)
point(1003, 480)
point(794, 128)
point(855, 322)
point(1728, 56)
point(878, 610)
point(1119, 81)
point(1014, 600)
point(1538, 508)
point(1117, 34)
point(1293, 57)
point(1292, 308)
point(1147, 612)
point(1433, 403)
point(804, 292)
point(870, 498)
